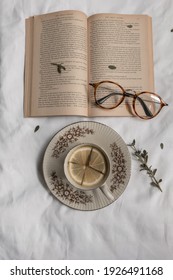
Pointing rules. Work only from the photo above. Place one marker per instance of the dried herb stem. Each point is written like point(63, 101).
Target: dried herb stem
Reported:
point(142, 157)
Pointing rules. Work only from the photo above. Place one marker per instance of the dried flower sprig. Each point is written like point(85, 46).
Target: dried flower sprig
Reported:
point(59, 67)
point(142, 157)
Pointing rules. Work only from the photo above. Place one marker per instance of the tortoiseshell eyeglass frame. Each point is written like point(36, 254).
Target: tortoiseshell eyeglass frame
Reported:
point(134, 95)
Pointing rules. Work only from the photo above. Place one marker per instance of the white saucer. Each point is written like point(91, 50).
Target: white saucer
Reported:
point(91, 133)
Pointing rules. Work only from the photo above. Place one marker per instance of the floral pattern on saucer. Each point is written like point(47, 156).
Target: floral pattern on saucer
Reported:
point(65, 191)
point(119, 168)
point(70, 136)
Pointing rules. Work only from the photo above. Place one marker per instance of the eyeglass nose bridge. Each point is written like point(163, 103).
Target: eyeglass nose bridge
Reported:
point(132, 93)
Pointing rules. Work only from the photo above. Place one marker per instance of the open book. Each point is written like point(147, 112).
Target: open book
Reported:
point(65, 51)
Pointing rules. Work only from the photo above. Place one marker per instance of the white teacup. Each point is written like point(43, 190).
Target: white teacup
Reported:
point(87, 167)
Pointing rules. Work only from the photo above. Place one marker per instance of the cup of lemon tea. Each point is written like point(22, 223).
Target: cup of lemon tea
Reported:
point(87, 167)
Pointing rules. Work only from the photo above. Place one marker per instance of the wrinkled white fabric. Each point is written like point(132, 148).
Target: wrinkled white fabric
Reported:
point(34, 224)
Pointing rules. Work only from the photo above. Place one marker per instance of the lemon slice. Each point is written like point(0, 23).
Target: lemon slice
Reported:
point(77, 163)
point(91, 177)
point(76, 172)
point(81, 155)
point(87, 166)
point(97, 161)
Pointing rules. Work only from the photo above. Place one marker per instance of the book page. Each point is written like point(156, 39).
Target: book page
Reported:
point(56, 64)
point(120, 50)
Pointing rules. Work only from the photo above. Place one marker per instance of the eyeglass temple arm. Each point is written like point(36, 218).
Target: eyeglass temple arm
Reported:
point(144, 106)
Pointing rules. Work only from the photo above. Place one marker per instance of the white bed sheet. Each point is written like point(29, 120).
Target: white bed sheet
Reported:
point(34, 224)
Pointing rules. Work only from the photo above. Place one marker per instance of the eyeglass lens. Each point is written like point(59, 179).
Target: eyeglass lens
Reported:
point(108, 95)
point(147, 105)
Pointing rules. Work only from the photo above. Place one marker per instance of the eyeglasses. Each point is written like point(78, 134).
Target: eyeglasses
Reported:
point(109, 95)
